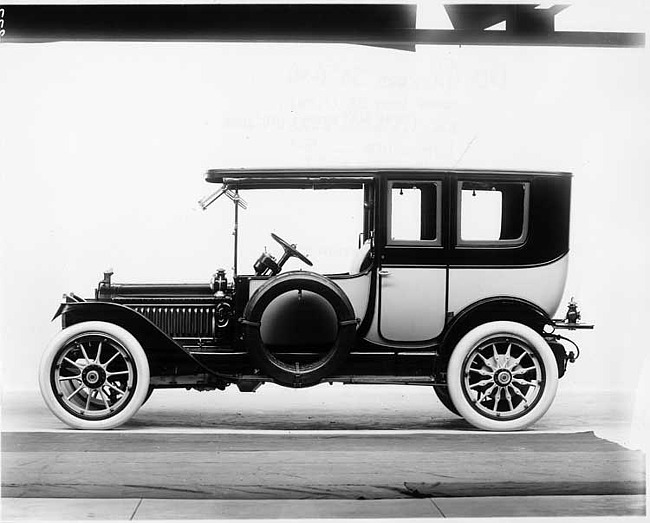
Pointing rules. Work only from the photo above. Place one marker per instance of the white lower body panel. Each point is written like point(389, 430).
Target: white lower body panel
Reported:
point(542, 285)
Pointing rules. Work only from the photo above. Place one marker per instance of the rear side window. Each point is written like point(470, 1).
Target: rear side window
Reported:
point(492, 214)
point(414, 212)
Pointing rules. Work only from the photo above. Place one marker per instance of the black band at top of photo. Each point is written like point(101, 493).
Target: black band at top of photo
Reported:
point(383, 25)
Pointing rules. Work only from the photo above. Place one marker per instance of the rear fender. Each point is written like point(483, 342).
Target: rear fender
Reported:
point(165, 356)
point(491, 309)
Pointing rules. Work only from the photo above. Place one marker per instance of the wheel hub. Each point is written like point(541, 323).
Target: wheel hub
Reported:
point(503, 377)
point(93, 376)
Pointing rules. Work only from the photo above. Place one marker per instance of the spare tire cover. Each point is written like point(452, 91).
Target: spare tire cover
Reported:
point(317, 299)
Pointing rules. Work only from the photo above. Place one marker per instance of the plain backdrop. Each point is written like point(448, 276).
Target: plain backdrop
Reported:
point(103, 147)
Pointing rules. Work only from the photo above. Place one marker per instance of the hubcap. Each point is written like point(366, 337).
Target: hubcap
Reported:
point(503, 378)
point(93, 376)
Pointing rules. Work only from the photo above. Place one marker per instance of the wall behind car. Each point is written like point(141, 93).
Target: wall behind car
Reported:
point(103, 148)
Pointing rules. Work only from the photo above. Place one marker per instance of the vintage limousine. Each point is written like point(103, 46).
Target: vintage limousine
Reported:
point(454, 284)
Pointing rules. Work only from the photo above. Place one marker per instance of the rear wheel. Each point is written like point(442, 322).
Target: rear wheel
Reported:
point(94, 375)
point(149, 393)
point(502, 375)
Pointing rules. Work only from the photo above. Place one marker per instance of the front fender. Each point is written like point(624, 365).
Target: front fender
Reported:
point(165, 356)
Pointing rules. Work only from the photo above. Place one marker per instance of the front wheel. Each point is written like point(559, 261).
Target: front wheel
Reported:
point(502, 375)
point(94, 375)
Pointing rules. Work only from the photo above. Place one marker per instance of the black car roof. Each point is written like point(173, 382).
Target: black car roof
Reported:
point(339, 176)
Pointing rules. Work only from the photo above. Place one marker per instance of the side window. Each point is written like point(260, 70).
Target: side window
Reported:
point(414, 213)
point(494, 214)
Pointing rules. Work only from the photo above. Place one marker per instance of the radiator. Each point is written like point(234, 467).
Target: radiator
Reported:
point(183, 321)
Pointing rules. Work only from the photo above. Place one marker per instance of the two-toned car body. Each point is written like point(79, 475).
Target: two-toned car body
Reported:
point(454, 285)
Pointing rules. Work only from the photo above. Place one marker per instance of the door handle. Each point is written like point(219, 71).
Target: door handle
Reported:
point(383, 272)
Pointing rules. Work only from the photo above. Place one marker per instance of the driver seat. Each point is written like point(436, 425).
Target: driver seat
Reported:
point(361, 260)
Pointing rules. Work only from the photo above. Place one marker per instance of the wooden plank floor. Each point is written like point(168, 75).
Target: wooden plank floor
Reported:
point(298, 466)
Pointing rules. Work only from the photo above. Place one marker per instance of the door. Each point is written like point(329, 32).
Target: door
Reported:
point(412, 275)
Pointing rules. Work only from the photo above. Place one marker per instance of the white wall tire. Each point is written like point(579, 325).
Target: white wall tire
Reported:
point(502, 376)
point(94, 375)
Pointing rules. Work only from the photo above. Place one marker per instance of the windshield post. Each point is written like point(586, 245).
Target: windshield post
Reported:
point(235, 233)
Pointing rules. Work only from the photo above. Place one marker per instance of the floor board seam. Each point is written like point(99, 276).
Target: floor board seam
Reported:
point(136, 509)
point(433, 502)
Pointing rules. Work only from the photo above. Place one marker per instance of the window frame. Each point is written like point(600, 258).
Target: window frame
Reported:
point(498, 244)
point(389, 215)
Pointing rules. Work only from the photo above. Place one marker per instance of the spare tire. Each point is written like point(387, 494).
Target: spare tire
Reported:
point(299, 326)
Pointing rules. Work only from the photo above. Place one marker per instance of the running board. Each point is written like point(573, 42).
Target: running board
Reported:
point(250, 381)
point(383, 380)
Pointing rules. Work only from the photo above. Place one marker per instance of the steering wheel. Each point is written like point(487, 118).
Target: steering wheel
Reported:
point(290, 250)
